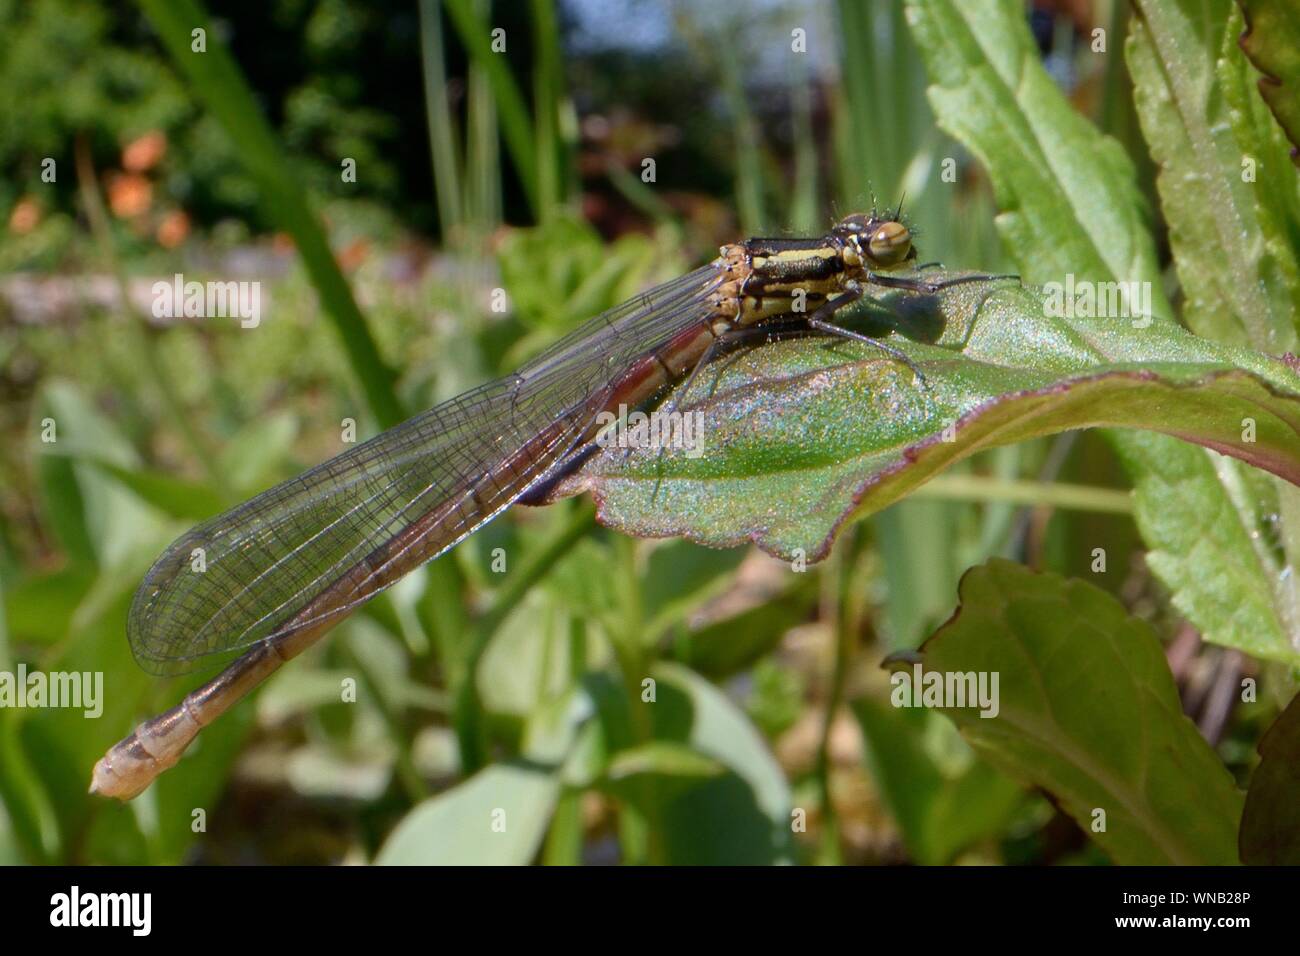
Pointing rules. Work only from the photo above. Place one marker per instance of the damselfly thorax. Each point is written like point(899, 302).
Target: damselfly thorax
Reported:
point(265, 580)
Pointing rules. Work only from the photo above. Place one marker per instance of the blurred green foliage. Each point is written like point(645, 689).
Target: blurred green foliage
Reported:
point(525, 688)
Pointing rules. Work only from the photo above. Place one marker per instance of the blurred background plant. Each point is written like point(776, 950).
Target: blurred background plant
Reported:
point(526, 171)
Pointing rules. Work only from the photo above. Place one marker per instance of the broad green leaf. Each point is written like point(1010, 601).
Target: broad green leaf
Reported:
point(735, 643)
point(1272, 41)
point(656, 771)
point(1270, 823)
point(1087, 709)
point(527, 659)
point(497, 817)
point(940, 809)
point(1240, 284)
point(739, 817)
point(25, 797)
point(1072, 208)
point(1212, 551)
point(1218, 148)
point(40, 609)
point(803, 435)
point(1068, 199)
point(679, 577)
point(500, 815)
point(174, 497)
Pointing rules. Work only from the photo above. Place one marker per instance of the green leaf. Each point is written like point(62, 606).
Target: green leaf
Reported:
point(89, 509)
point(1240, 284)
point(1270, 823)
point(561, 272)
point(1217, 148)
point(497, 817)
point(24, 797)
point(1086, 708)
point(174, 497)
point(40, 609)
point(739, 817)
point(735, 643)
point(1272, 41)
point(656, 771)
point(1069, 200)
point(679, 577)
point(500, 815)
point(940, 809)
point(1211, 550)
point(527, 659)
point(254, 455)
point(804, 435)
point(1073, 207)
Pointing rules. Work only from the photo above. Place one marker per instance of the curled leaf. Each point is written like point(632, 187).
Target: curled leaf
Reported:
point(1272, 43)
point(1270, 823)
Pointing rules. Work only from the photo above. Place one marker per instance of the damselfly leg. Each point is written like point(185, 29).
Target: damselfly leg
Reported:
point(913, 284)
point(819, 320)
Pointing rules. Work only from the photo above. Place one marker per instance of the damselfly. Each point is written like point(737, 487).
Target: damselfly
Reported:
point(264, 581)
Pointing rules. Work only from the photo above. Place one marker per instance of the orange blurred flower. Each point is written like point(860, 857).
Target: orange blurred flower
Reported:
point(129, 195)
point(144, 152)
point(353, 254)
point(25, 217)
point(173, 229)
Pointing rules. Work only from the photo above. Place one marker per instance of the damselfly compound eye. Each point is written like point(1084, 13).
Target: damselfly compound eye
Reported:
point(890, 243)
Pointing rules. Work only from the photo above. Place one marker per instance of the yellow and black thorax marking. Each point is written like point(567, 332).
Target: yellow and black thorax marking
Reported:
point(770, 278)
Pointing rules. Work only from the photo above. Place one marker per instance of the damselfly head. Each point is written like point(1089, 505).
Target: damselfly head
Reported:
point(874, 241)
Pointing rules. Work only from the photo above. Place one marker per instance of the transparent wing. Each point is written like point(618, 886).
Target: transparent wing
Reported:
point(312, 548)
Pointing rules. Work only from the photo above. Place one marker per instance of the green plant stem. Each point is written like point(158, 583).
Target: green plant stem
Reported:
point(468, 713)
point(845, 629)
point(952, 487)
point(442, 129)
point(747, 151)
point(548, 74)
point(516, 128)
point(407, 774)
point(626, 636)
